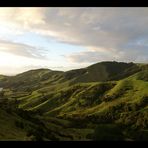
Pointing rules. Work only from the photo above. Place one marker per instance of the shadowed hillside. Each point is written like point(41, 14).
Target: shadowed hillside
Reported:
point(104, 71)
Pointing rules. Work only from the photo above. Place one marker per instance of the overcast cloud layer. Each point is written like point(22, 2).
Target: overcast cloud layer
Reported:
point(106, 33)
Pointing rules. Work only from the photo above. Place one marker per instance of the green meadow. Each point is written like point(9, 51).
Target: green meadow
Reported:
point(107, 101)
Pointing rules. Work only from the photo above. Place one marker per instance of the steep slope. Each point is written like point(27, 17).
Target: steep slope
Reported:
point(93, 99)
point(98, 97)
point(19, 125)
point(13, 122)
point(9, 131)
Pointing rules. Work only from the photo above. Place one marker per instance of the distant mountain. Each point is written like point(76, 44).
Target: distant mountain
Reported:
point(107, 97)
point(104, 71)
point(29, 79)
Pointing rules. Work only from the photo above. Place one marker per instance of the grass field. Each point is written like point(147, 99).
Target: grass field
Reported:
point(109, 98)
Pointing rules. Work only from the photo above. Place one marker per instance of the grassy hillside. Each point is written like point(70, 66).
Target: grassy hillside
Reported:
point(107, 97)
point(104, 71)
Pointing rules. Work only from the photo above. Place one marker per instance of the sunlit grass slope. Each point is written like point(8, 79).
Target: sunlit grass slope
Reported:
point(74, 105)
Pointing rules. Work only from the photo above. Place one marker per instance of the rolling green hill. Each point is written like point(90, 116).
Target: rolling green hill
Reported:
point(107, 97)
point(104, 71)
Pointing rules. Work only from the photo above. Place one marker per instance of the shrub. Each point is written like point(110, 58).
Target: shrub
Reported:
point(19, 124)
point(107, 132)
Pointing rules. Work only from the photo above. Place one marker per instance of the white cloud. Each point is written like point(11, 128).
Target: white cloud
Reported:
point(96, 27)
point(106, 33)
point(20, 49)
point(22, 17)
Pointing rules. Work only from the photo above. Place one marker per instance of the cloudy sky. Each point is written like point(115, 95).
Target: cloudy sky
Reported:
point(69, 38)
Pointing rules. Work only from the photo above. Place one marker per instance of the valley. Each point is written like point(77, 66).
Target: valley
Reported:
point(107, 101)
